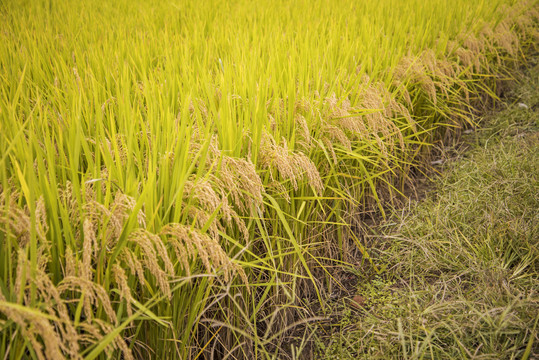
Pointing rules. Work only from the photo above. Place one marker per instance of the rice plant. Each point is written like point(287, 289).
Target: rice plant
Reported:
point(176, 177)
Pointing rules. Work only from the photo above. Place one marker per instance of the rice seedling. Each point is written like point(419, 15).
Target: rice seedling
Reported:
point(175, 177)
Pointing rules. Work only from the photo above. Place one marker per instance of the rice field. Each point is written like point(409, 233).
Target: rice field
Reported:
point(178, 179)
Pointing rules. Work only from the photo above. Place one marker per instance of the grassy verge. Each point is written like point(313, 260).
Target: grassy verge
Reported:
point(463, 276)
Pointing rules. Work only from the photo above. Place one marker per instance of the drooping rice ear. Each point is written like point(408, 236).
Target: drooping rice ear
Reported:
point(118, 342)
point(56, 306)
point(89, 249)
point(291, 166)
point(207, 249)
point(134, 265)
point(94, 292)
point(120, 278)
point(146, 242)
point(35, 326)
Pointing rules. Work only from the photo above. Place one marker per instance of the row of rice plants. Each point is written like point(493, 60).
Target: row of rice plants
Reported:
point(176, 177)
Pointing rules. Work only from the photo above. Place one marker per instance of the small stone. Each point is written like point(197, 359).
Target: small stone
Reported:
point(358, 301)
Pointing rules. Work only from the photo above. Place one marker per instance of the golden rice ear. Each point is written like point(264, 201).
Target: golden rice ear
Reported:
point(72, 265)
point(183, 254)
point(118, 342)
point(190, 240)
point(272, 123)
point(403, 91)
point(468, 58)
point(412, 69)
point(209, 197)
point(32, 325)
point(304, 133)
point(440, 69)
point(202, 219)
point(243, 276)
point(49, 337)
point(239, 178)
point(91, 334)
point(21, 273)
point(89, 249)
point(279, 189)
point(134, 265)
point(95, 330)
point(98, 216)
point(505, 38)
point(206, 248)
point(110, 101)
point(473, 43)
point(122, 206)
point(56, 307)
point(116, 148)
point(120, 278)
point(377, 97)
point(303, 105)
point(43, 256)
point(16, 220)
point(291, 166)
point(41, 219)
point(151, 246)
point(95, 294)
point(273, 156)
point(203, 192)
point(332, 133)
point(77, 77)
point(372, 96)
point(307, 169)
